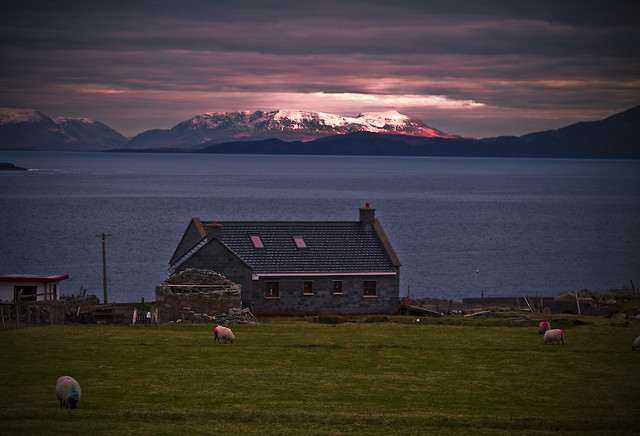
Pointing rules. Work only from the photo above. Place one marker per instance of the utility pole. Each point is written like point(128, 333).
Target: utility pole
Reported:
point(104, 266)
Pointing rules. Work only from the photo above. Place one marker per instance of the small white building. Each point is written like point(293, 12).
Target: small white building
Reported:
point(30, 287)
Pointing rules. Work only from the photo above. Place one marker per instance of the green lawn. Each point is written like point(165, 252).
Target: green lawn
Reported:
point(294, 376)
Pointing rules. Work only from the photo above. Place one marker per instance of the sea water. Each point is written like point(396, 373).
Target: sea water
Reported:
point(461, 227)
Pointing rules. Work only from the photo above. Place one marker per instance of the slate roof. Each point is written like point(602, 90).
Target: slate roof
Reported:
point(332, 247)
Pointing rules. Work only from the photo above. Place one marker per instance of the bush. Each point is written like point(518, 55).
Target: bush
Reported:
point(375, 318)
point(329, 319)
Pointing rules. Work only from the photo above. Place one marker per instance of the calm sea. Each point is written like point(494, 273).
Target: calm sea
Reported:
point(459, 225)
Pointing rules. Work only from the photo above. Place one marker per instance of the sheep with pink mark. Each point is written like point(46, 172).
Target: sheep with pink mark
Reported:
point(68, 391)
point(553, 335)
point(221, 332)
point(543, 327)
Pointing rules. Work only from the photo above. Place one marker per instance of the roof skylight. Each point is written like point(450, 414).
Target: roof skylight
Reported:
point(299, 240)
point(257, 242)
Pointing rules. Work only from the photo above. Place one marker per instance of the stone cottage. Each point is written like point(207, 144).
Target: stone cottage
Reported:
point(298, 267)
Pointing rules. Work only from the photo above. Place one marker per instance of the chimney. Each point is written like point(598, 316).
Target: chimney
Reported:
point(367, 214)
point(214, 230)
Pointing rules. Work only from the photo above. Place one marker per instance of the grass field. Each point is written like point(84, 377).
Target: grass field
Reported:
point(294, 376)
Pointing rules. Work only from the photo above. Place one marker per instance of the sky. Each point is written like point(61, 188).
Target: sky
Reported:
point(469, 68)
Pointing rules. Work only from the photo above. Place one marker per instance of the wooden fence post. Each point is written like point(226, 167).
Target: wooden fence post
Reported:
point(541, 304)
point(527, 301)
point(18, 308)
point(75, 300)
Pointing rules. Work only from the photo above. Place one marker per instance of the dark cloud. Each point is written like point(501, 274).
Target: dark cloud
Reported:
point(130, 64)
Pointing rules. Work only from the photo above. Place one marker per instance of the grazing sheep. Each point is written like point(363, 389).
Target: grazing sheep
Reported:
point(222, 332)
point(554, 335)
point(68, 391)
point(543, 327)
point(635, 344)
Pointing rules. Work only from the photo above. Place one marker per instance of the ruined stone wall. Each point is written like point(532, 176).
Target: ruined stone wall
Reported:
point(197, 296)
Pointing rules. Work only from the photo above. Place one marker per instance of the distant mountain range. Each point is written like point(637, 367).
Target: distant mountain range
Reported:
point(29, 129)
point(286, 125)
point(305, 132)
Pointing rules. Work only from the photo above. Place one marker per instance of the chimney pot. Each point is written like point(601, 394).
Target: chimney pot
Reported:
point(367, 214)
point(214, 230)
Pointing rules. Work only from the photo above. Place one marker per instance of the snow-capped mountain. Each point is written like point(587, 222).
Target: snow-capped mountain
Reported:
point(29, 129)
point(88, 131)
point(20, 116)
point(288, 125)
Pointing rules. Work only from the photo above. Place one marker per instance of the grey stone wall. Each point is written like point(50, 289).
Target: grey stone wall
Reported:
point(197, 295)
point(293, 300)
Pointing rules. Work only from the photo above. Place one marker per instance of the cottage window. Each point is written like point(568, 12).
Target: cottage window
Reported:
point(272, 290)
point(25, 293)
point(257, 242)
point(369, 288)
point(307, 288)
point(337, 286)
point(299, 240)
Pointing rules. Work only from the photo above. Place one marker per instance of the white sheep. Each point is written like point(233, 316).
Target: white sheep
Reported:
point(222, 332)
point(635, 344)
point(554, 335)
point(543, 327)
point(68, 391)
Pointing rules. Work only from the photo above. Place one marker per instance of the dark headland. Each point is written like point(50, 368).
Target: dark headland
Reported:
point(5, 166)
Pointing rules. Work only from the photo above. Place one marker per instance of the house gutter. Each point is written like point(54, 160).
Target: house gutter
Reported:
point(315, 274)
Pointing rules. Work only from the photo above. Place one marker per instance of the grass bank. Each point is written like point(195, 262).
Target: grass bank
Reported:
point(292, 376)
